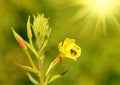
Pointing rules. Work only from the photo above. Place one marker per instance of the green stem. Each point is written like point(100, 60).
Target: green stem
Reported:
point(52, 66)
point(31, 47)
point(31, 61)
point(40, 65)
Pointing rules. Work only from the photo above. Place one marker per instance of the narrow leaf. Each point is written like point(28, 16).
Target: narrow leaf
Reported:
point(29, 31)
point(54, 78)
point(63, 73)
point(57, 76)
point(27, 68)
point(32, 79)
point(32, 49)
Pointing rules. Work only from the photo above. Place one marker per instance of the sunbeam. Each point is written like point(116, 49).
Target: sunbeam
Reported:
point(96, 13)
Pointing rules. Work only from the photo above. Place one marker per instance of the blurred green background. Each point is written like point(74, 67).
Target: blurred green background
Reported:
point(99, 63)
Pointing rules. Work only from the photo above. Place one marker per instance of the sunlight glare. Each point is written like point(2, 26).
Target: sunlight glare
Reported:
point(101, 6)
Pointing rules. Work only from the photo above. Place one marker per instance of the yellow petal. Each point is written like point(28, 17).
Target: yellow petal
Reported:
point(69, 49)
point(60, 47)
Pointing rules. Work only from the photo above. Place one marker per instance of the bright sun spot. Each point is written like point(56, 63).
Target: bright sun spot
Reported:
point(101, 6)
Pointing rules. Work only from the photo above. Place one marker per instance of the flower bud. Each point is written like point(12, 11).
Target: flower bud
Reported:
point(19, 40)
point(29, 31)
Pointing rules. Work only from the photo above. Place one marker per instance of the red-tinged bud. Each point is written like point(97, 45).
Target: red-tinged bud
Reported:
point(19, 40)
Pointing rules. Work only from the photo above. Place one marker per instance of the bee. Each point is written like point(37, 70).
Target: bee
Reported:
point(73, 52)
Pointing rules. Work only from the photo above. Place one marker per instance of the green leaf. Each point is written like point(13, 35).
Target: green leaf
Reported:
point(27, 68)
point(32, 79)
point(46, 38)
point(54, 78)
point(29, 31)
point(63, 73)
point(57, 76)
point(42, 57)
point(32, 49)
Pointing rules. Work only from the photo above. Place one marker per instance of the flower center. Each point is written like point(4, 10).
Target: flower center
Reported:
point(73, 52)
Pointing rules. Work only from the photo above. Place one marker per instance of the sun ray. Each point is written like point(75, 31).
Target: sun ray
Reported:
point(100, 26)
point(96, 28)
point(94, 14)
point(104, 26)
point(88, 26)
point(79, 15)
point(115, 21)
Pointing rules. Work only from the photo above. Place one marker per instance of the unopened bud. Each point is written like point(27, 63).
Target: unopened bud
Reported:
point(19, 40)
point(29, 32)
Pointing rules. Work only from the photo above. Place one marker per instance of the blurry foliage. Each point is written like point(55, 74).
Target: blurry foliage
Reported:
point(100, 60)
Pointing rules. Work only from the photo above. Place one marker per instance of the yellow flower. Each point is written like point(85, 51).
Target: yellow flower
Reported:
point(69, 49)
